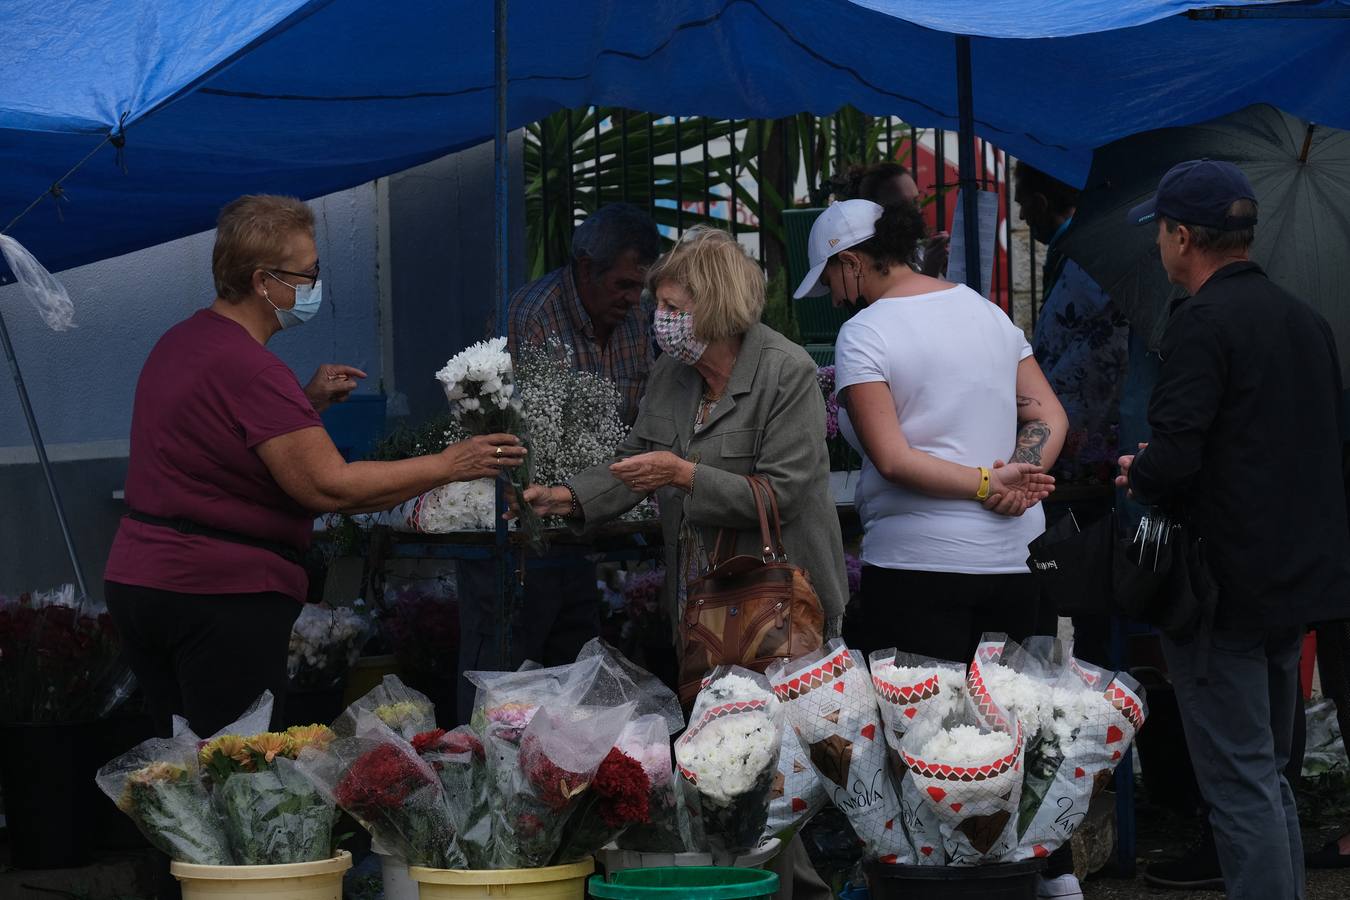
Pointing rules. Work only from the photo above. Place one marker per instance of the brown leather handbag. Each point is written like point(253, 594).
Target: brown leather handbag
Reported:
point(748, 610)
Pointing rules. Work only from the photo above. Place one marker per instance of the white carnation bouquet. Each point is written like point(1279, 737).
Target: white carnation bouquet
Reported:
point(728, 759)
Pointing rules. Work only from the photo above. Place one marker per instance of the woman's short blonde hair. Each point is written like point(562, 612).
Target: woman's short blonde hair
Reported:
point(249, 236)
point(727, 286)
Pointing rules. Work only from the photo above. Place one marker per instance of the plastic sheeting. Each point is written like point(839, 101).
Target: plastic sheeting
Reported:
point(215, 99)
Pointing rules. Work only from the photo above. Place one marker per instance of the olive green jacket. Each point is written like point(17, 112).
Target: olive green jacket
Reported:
point(770, 421)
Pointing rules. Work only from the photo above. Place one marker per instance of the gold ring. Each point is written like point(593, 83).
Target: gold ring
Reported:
point(499, 451)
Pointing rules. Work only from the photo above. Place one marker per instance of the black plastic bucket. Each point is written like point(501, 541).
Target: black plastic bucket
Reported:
point(47, 774)
point(1004, 881)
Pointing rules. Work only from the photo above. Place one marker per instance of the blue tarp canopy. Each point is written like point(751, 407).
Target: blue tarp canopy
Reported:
point(215, 98)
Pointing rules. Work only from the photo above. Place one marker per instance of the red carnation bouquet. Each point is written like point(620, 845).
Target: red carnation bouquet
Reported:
point(560, 753)
point(379, 779)
point(458, 758)
point(620, 795)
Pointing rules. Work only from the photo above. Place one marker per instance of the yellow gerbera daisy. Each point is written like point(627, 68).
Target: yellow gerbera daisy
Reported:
point(228, 746)
point(270, 744)
point(310, 736)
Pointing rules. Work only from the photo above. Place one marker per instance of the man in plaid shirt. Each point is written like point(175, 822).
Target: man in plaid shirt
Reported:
point(592, 304)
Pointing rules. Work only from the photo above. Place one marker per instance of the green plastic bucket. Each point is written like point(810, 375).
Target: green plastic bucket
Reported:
point(687, 883)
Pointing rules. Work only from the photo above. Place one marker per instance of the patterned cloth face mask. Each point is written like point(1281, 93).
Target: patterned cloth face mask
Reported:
point(675, 335)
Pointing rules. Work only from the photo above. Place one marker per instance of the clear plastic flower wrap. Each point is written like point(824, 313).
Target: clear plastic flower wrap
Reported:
point(276, 816)
point(968, 775)
point(667, 830)
point(325, 644)
point(157, 783)
point(727, 760)
point(1078, 721)
point(827, 698)
point(377, 777)
point(619, 680)
point(459, 759)
point(620, 795)
point(909, 688)
point(405, 711)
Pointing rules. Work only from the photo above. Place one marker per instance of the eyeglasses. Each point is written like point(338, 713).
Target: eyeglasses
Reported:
point(311, 276)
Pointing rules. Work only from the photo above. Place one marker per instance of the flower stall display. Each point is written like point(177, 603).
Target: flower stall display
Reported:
point(967, 776)
point(270, 813)
point(379, 778)
point(158, 785)
point(1077, 718)
point(60, 658)
point(398, 707)
point(728, 758)
point(325, 644)
point(667, 828)
point(620, 793)
point(459, 760)
point(828, 701)
point(910, 688)
point(235, 799)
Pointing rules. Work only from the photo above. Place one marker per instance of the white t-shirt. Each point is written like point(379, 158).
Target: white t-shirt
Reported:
point(950, 359)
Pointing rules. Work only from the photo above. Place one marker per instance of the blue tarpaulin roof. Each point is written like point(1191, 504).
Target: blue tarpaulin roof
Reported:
point(224, 97)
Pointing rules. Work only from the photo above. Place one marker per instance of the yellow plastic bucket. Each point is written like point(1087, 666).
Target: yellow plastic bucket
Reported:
point(320, 880)
point(551, 883)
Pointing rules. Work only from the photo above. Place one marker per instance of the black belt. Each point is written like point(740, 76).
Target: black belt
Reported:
point(186, 526)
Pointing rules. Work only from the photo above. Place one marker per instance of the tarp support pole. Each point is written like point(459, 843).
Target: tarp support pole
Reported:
point(970, 209)
point(42, 456)
point(506, 575)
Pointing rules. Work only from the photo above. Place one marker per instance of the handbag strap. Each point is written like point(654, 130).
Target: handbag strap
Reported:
point(770, 529)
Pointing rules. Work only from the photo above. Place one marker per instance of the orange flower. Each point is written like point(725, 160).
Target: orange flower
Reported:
point(303, 736)
point(269, 745)
point(227, 746)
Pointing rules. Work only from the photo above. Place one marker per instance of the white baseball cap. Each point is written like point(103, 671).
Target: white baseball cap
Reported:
point(842, 225)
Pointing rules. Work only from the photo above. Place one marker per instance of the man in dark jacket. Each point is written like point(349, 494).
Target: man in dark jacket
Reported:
point(1246, 445)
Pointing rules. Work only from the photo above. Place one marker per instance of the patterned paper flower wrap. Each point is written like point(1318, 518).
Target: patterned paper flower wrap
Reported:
point(968, 775)
point(797, 794)
point(1078, 719)
point(829, 702)
point(727, 760)
point(909, 689)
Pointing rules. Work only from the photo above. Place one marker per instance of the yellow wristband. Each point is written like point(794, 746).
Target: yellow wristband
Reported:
point(983, 493)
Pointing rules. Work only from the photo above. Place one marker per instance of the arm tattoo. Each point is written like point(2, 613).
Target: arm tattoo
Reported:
point(1031, 439)
point(1024, 401)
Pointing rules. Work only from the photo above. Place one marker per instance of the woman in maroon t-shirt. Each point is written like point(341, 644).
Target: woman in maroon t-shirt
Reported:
point(229, 465)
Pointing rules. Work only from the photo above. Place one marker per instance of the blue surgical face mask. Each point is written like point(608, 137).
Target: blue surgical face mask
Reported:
point(308, 299)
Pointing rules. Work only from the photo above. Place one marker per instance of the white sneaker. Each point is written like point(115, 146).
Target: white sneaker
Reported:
point(1063, 887)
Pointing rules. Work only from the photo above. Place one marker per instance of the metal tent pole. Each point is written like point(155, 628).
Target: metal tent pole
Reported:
point(42, 456)
point(505, 575)
point(970, 209)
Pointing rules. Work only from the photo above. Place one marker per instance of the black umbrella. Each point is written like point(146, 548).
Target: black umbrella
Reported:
point(1301, 174)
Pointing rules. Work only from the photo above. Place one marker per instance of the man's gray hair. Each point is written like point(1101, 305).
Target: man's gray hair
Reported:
point(1218, 240)
point(613, 230)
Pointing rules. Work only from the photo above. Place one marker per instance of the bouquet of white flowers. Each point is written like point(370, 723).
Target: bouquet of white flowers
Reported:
point(827, 697)
point(1077, 719)
point(325, 643)
point(479, 382)
point(728, 758)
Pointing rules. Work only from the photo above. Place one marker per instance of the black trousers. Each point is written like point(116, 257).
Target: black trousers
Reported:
point(205, 657)
point(942, 614)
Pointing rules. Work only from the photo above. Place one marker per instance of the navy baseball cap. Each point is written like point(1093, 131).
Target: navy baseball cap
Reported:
point(1199, 192)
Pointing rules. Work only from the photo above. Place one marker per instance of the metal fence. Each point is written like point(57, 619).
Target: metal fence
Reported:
point(740, 174)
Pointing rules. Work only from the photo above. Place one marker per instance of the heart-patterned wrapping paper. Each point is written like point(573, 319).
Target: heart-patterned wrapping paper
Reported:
point(829, 702)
